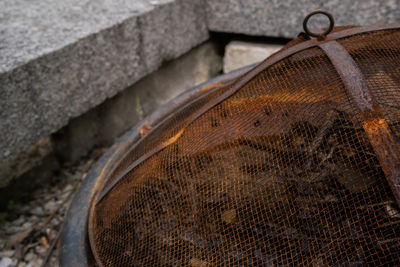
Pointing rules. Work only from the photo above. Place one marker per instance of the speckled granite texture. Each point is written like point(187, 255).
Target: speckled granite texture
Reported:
point(283, 18)
point(59, 58)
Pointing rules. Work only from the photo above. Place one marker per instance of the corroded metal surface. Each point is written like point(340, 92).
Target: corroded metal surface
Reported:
point(280, 55)
point(319, 36)
point(374, 123)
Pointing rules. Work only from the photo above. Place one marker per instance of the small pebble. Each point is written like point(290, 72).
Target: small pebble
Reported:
point(55, 221)
point(50, 206)
point(5, 262)
point(26, 225)
point(38, 211)
point(392, 212)
point(30, 256)
point(64, 196)
point(68, 188)
point(33, 218)
point(41, 250)
point(35, 263)
point(7, 253)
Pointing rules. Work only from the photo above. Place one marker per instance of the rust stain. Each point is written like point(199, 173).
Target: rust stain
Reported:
point(145, 129)
point(212, 86)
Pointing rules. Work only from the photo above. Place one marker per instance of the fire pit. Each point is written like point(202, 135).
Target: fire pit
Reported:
point(295, 162)
point(75, 250)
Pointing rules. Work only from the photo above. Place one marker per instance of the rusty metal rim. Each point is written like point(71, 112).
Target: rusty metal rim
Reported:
point(75, 250)
point(278, 56)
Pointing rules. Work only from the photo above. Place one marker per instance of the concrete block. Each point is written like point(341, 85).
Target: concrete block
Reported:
point(16, 166)
point(61, 58)
point(278, 18)
point(240, 54)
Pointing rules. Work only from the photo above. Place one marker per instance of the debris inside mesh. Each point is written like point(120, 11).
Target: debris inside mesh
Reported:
point(313, 196)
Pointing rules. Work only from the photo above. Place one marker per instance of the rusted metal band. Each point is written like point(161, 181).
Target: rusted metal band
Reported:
point(351, 76)
point(381, 138)
point(278, 56)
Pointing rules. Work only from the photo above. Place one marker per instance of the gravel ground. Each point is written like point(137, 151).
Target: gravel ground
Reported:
point(29, 230)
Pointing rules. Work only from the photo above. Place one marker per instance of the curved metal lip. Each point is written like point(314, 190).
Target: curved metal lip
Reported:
point(75, 249)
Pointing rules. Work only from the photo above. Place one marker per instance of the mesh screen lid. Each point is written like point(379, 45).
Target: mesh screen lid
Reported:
point(297, 162)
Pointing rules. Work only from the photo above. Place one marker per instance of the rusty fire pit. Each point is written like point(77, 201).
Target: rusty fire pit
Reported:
point(295, 162)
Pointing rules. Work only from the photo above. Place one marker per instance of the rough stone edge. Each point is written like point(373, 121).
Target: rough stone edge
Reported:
point(284, 18)
point(159, 41)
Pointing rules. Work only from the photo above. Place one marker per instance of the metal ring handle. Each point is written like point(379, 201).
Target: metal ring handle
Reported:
point(325, 33)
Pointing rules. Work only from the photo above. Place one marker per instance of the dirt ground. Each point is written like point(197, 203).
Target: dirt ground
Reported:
point(29, 232)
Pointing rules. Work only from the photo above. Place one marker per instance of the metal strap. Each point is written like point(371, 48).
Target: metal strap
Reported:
point(377, 129)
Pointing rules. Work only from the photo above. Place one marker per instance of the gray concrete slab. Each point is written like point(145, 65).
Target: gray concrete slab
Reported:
point(59, 59)
point(279, 18)
point(239, 54)
point(102, 125)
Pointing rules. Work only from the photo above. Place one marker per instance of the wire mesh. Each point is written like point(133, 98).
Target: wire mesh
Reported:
point(280, 173)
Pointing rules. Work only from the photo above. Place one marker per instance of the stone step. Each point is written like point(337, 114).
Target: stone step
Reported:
point(239, 54)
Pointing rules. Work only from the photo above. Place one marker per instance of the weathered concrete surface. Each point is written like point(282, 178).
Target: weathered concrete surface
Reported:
point(16, 166)
point(59, 59)
point(103, 124)
point(240, 54)
point(284, 18)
